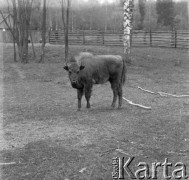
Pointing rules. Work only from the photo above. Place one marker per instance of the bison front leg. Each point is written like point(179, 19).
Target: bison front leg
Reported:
point(88, 90)
point(79, 96)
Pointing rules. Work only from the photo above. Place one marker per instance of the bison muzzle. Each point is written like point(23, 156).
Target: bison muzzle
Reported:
point(87, 69)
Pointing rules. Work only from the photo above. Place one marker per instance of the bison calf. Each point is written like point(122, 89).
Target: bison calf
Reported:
point(86, 69)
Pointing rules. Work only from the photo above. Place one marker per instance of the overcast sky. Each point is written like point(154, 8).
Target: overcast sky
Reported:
point(3, 2)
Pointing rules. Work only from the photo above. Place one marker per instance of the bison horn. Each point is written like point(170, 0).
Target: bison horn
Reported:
point(66, 68)
point(82, 67)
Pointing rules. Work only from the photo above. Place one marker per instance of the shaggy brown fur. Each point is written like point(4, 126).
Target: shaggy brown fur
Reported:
point(86, 69)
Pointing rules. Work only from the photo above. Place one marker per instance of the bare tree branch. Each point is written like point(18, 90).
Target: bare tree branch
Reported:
point(7, 24)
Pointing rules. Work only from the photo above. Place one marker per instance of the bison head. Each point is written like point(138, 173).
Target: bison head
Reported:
point(74, 72)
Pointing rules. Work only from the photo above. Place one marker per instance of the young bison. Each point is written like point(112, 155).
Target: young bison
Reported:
point(86, 69)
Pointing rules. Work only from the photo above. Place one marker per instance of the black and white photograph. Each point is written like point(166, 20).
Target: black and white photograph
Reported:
point(94, 89)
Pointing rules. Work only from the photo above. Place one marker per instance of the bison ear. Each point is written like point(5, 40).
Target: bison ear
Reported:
point(66, 68)
point(82, 67)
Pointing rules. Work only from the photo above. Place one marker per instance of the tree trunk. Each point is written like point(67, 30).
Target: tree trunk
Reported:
point(67, 29)
point(33, 49)
point(21, 14)
point(14, 45)
point(72, 22)
point(106, 17)
point(43, 33)
point(65, 20)
point(14, 40)
point(24, 41)
point(127, 25)
point(90, 27)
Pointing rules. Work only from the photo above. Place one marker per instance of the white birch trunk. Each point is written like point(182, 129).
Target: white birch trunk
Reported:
point(188, 22)
point(127, 25)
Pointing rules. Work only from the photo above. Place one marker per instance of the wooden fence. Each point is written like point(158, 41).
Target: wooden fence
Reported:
point(6, 36)
point(173, 39)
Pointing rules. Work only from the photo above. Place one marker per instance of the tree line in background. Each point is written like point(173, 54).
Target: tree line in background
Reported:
point(19, 26)
point(23, 19)
point(158, 15)
point(72, 16)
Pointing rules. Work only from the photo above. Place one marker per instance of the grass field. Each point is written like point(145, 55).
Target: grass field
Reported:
point(49, 139)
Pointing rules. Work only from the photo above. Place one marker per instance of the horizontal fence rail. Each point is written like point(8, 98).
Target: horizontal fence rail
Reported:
point(172, 39)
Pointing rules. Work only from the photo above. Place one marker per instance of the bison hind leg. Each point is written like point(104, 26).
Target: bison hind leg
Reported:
point(115, 88)
point(115, 93)
point(120, 95)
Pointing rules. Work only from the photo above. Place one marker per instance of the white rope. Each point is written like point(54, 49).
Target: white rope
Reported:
point(134, 104)
point(146, 90)
point(121, 151)
point(163, 93)
point(174, 95)
point(10, 163)
point(151, 92)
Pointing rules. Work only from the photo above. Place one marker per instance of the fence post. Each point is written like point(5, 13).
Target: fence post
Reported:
point(98, 37)
point(83, 37)
point(77, 39)
point(120, 38)
point(4, 36)
point(144, 38)
point(49, 36)
point(131, 38)
point(56, 36)
point(175, 39)
point(150, 38)
point(103, 38)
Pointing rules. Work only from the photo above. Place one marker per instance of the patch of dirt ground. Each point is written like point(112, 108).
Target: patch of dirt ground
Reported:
point(47, 138)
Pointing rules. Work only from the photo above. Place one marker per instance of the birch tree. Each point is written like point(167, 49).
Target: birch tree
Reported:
point(127, 25)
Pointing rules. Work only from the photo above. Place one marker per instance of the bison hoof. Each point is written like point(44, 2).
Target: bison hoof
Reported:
point(113, 106)
point(88, 106)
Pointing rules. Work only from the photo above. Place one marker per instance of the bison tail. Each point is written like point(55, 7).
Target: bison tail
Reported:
point(123, 76)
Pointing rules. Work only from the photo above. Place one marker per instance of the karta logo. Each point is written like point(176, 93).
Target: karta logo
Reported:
point(122, 168)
